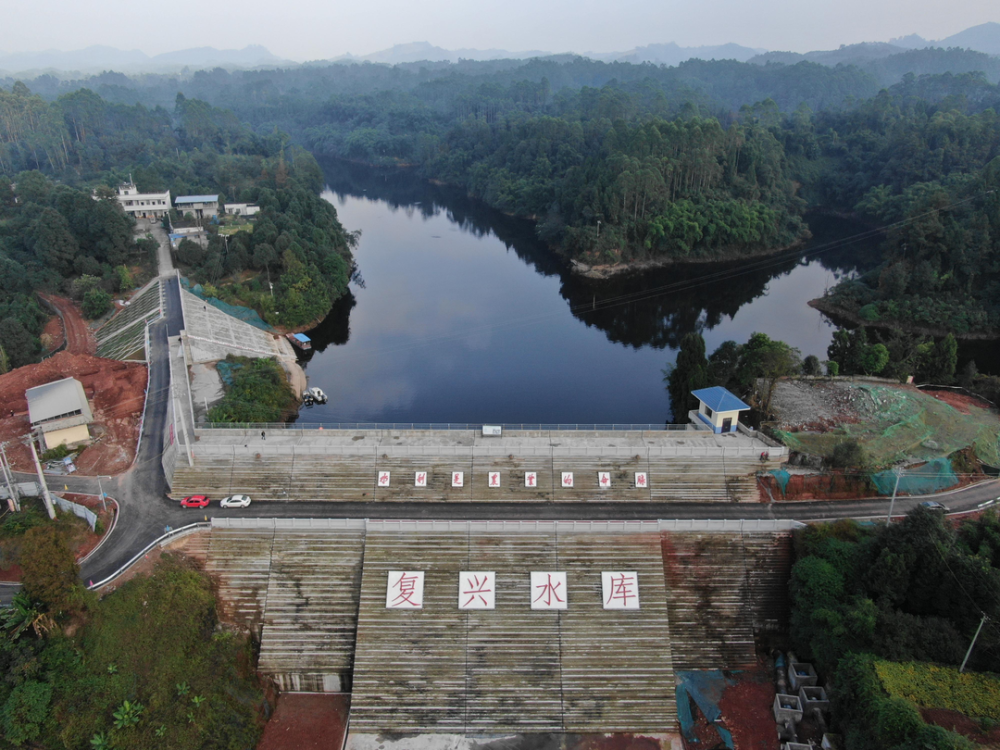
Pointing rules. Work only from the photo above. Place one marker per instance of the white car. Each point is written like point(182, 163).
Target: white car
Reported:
point(235, 501)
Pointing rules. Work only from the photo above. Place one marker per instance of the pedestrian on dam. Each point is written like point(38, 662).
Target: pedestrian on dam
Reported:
point(263, 435)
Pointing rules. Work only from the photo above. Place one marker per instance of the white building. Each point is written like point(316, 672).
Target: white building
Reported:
point(717, 408)
point(202, 206)
point(60, 412)
point(143, 205)
point(242, 209)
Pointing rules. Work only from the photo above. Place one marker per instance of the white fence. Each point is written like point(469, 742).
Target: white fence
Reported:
point(77, 510)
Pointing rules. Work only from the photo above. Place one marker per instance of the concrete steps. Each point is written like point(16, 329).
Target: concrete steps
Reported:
point(293, 475)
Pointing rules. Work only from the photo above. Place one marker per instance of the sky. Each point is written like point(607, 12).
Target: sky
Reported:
point(319, 29)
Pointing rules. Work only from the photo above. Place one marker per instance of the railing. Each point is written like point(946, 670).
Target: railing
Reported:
point(445, 426)
point(729, 525)
point(168, 537)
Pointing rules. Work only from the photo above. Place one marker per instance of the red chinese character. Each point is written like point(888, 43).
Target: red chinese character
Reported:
point(383, 478)
point(494, 480)
point(531, 480)
point(476, 588)
point(640, 480)
point(407, 586)
point(549, 590)
point(621, 589)
point(605, 479)
point(421, 478)
point(456, 478)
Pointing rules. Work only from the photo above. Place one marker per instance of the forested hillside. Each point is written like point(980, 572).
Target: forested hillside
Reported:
point(57, 157)
point(615, 163)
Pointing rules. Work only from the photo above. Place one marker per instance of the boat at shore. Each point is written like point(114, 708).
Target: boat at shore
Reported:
point(300, 340)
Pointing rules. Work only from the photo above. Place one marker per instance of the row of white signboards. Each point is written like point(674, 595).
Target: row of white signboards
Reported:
point(530, 479)
point(478, 590)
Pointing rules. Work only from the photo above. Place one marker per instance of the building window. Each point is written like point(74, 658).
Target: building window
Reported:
point(708, 411)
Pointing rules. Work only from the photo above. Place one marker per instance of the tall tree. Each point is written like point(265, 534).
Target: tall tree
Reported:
point(688, 373)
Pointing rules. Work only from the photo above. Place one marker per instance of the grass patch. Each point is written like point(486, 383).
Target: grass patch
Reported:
point(932, 686)
point(256, 391)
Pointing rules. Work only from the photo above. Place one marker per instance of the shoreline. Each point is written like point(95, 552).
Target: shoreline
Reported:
point(604, 272)
point(835, 311)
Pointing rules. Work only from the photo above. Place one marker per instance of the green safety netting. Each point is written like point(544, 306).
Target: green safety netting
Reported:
point(934, 476)
point(782, 478)
point(237, 311)
point(904, 424)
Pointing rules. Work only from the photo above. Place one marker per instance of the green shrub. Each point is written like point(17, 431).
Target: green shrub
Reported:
point(55, 454)
point(869, 313)
point(259, 392)
point(849, 454)
point(96, 302)
point(898, 721)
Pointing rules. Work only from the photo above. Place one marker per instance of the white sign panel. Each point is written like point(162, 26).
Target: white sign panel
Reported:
point(548, 590)
point(457, 479)
point(494, 479)
point(621, 589)
point(531, 479)
point(604, 480)
point(477, 590)
point(405, 589)
point(641, 482)
point(492, 430)
point(420, 479)
point(383, 479)
point(567, 479)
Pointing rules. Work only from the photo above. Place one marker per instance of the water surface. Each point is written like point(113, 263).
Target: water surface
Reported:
point(463, 316)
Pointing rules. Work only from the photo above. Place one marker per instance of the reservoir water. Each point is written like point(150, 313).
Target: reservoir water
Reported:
point(460, 315)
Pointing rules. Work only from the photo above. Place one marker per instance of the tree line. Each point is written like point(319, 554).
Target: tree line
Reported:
point(61, 227)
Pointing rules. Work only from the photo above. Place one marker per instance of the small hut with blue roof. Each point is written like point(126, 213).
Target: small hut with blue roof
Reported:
point(719, 409)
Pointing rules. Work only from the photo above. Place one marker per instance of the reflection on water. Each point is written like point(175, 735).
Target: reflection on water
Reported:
point(466, 317)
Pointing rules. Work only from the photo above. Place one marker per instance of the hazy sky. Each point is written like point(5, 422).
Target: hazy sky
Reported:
point(317, 29)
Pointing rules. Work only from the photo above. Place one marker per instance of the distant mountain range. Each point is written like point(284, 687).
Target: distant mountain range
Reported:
point(983, 38)
point(99, 58)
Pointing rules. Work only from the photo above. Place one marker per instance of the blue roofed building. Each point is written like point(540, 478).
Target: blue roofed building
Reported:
point(718, 408)
point(201, 206)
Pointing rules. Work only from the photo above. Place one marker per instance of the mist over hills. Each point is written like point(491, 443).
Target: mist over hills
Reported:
point(984, 38)
point(101, 57)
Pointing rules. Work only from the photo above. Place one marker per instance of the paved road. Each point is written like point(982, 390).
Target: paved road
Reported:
point(146, 512)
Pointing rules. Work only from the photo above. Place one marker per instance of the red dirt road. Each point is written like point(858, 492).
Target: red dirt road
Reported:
point(79, 338)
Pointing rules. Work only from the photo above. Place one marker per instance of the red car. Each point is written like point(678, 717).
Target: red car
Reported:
point(195, 501)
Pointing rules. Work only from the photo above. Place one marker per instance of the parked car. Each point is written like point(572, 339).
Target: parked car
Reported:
point(235, 501)
point(934, 505)
point(195, 501)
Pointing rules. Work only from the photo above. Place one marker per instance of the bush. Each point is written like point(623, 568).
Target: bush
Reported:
point(849, 454)
point(258, 392)
point(898, 721)
point(96, 302)
point(55, 454)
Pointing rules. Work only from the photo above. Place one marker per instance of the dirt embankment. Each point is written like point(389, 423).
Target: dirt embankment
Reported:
point(115, 390)
point(79, 338)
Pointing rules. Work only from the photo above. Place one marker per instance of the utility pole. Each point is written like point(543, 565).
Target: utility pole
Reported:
point(969, 652)
point(898, 473)
point(100, 487)
point(46, 497)
point(13, 503)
